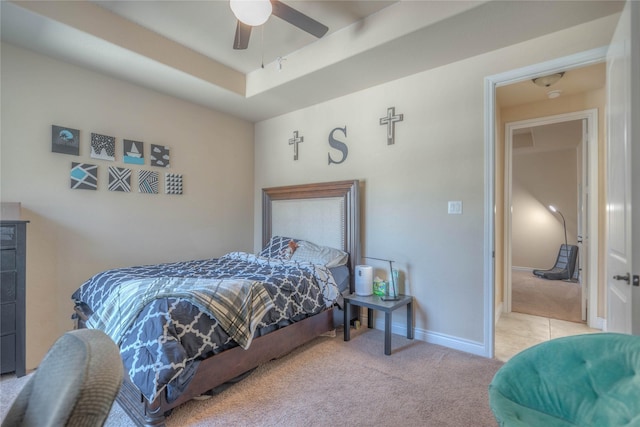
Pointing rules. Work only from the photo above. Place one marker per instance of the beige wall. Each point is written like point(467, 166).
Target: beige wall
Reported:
point(438, 157)
point(581, 102)
point(74, 234)
point(539, 180)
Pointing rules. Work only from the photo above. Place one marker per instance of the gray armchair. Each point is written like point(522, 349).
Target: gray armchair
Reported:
point(75, 384)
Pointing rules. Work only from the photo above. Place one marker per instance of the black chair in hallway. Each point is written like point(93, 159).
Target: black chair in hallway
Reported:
point(565, 264)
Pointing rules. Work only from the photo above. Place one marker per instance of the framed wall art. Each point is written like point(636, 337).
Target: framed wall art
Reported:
point(148, 182)
point(65, 140)
point(133, 152)
point(119, 179)
point(159, 156)
point(172, 183)
point(84, 176)
point(103, 147)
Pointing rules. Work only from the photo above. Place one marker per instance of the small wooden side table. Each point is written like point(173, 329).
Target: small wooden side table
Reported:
point(374, 302)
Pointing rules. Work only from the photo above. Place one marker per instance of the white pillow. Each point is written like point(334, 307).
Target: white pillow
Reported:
point(310, 252)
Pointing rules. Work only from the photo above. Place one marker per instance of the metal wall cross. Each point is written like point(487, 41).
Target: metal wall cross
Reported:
point(390, 120)
point(295, 141)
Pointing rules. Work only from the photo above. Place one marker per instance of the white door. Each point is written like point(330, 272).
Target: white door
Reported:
point(620, 69)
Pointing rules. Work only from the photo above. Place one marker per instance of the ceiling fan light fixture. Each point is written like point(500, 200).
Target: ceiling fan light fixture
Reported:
point(546, 81)
point(251, 12)
point(552, 94)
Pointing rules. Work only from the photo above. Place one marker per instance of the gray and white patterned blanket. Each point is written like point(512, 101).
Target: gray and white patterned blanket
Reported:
point(164, 334)
point(238, 305)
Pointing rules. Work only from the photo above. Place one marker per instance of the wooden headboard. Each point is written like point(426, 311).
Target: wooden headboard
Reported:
point(324, 213)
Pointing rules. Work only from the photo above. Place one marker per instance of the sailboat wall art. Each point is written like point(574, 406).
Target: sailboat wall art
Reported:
point(133, 152)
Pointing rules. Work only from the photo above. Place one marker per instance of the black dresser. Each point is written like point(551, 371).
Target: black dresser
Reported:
point(13, 236)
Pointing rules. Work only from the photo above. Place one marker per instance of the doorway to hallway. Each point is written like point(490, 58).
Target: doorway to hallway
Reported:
point(497, 261)
point(558, 168)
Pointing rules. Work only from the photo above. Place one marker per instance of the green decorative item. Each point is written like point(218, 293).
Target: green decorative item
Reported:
point(379, 287)
point(387, 291)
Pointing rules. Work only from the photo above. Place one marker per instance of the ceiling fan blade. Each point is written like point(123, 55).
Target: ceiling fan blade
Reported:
point(243, 32)
point(298, 19)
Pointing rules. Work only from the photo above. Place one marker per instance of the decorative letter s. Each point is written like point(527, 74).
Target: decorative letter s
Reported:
point(338, 145)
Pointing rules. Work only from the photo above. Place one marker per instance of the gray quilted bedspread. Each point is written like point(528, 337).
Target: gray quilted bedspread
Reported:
point(163, 334)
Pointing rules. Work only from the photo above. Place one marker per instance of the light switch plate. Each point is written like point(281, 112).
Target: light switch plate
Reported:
point(455, 207)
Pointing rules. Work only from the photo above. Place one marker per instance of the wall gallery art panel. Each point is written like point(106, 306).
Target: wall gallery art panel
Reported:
point(133, 152)
point(84, 176)
point(159, 156)
point(103, 147)
point(173, 183)
point(119, 179)
point(65, 140)
point(148, 182)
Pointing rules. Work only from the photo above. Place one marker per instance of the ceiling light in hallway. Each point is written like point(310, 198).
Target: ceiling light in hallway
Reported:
point(546, 81)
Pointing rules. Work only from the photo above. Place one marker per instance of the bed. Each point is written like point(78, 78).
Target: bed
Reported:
point(173, 353)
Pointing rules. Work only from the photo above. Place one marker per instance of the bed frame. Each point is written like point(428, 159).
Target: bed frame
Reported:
point(283, 209)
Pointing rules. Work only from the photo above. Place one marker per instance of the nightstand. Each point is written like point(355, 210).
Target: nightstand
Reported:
point(374, 302)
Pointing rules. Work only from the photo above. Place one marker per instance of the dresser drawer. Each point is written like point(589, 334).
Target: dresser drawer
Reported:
point(7, 260)
point(7, 353)
point(8, 288)
point(8, 319)
point(8, 236)
point(13, 251)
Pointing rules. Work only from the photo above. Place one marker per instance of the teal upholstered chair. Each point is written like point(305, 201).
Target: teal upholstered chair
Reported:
point(583, 380)
point(75, 384)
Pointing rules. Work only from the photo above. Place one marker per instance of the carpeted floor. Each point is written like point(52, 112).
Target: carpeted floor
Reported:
point(555, 299)
point(331, 382)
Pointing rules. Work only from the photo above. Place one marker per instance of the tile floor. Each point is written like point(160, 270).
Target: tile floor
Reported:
point(516, 331)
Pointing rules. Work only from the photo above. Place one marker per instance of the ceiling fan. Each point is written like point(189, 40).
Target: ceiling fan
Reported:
point(251, 13)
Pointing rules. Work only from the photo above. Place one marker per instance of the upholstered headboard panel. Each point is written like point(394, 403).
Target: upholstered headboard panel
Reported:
point(293, 217)
point(326, 213)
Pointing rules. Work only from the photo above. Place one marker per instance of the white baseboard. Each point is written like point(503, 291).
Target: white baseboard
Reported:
point(600, 323)
point(456, 343)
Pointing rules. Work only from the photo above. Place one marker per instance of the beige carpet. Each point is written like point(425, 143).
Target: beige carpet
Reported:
point(332, 382)
point(547, 298)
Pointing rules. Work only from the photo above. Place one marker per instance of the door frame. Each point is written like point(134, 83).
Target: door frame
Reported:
point(591, 116)
point(578, 60)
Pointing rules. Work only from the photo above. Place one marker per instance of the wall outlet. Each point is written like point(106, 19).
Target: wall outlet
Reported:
point(455, 207)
